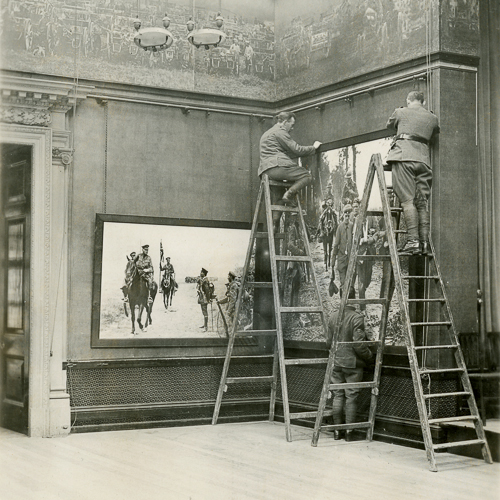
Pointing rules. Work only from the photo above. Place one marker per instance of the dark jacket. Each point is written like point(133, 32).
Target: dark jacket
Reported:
point(278, 149)
point(343, 240)
point(415, 121)
point(352, 330)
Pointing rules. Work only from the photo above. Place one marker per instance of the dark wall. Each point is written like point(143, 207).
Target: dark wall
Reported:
point(454, 198)
point(150, 160)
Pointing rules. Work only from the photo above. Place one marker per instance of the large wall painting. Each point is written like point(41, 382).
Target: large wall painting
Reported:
point(460, 26)
point(94, 40)
point(155, 264)
point(321, 42)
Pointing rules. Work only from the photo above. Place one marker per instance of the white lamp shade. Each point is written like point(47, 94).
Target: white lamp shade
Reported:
point(206, 36)
point(149, 38)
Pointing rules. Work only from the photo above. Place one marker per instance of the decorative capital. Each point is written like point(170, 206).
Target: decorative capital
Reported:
point(65, 155)
point(25, 116)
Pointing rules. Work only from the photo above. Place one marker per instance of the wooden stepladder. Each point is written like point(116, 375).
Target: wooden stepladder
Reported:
point(279, 259)
point(437, 317)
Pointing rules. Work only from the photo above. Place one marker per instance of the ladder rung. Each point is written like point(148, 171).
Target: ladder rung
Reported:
point(355, 425)
point(367, 301)
point(306, 361)
point(456, 444)
point(284, 208)
point(464, 418)
point(260, 284)
point(360, 343)
point(312, 309)
point(421, 277)
point(427, 300)
point(400, 231)
point(352, 385)
point(374, 257)
point(432, 323)
point(441, 370)
point(446, 394)
point(263, 235)
point(252, 333)
point(422, 347)
point(243, 380)
point(294, 258)
point(381, 212)
point(306, 414)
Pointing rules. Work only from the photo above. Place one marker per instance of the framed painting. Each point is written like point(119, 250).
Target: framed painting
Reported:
point(147, 271)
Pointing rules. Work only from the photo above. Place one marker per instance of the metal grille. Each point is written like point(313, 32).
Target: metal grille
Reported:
point(159, 384)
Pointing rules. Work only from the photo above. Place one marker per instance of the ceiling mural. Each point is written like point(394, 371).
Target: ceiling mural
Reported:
point(273, 48)
point(94, 39)
point(324, 42)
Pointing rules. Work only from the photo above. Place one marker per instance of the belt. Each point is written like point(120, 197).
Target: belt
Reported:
point(411, 137)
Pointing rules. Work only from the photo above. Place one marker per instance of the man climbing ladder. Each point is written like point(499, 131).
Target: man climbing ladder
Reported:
point(278, 258)
point(438, 319)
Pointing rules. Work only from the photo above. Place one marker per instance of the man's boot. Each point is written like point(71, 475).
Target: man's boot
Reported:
point(294, 189)
point(424, 226)
point(206, 324)
point(411, 218)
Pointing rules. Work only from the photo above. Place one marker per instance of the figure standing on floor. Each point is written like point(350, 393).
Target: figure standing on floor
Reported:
point(348, 365)
point(409, 157)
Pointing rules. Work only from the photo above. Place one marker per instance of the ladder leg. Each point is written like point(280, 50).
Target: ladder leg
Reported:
point(274, 387)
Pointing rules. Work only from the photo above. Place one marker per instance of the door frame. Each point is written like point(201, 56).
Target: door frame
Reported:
point(40, 139)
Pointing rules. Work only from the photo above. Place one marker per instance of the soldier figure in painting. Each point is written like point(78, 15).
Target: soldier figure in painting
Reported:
point(129, 275)
point(145, 268)
point(204, 296)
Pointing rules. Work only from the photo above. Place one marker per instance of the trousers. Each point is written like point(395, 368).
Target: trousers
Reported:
point(345, 399)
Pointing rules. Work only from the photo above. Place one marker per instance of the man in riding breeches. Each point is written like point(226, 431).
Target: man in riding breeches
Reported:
point(411, 167)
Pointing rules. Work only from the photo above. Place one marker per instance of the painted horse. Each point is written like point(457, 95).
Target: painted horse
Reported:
point(138, 298)
point(168, 288)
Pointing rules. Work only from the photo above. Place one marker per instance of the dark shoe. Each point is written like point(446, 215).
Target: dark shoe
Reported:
point(337, 435)
point(426, 249)
point(349, 436)
point(288, 199)
point(412, 247)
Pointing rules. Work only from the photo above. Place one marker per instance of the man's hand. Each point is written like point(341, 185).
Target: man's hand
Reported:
point(317, 144)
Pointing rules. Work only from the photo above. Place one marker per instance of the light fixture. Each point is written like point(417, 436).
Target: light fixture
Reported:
point(153, 39)
point(206, 37)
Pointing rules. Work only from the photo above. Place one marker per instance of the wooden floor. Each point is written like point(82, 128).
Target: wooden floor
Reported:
point(230, 461)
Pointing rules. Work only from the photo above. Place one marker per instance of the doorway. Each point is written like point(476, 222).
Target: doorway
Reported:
point(15, 230)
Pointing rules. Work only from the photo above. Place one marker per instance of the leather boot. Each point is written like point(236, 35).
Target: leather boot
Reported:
point(424, 225)
point(206, 324)
point(337, 435)
point(411, 218)
point(295, 188)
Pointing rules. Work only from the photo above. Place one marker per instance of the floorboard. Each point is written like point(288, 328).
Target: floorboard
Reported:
point(232, 461)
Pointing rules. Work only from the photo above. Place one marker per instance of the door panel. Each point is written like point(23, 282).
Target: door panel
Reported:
point(14, 281)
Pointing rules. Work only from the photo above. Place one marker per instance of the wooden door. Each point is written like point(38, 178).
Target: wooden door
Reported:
point(15, 285)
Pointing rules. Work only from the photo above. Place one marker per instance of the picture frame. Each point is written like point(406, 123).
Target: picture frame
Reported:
point(191, 244)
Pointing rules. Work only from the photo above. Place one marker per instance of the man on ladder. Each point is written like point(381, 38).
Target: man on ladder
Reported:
point(409, 158)
point(279, 157)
